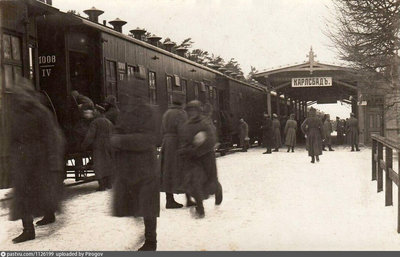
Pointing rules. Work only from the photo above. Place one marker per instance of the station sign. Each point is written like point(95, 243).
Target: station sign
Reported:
point(312, 82)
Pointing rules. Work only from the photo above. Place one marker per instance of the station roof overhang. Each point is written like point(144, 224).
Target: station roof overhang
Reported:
point(343, 86)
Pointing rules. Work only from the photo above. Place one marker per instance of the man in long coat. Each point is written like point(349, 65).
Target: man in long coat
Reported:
point(339, 130)
point(171, 130)
point(198, 157)
point(36, 150)
point(290, 133)
point(98, 136)
point(137, 182)
point(267, 133)
point(312, 127)
point(276, 127)
point(353, 131)
point(111, 109)
point(327, 133)
point(244, 134)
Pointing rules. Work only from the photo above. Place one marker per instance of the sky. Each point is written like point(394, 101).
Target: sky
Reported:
point(261, 33)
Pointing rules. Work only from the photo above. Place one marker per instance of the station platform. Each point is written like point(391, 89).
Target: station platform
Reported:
point(271, 202)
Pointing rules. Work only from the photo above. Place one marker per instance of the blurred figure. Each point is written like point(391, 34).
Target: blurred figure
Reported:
point(98, 136)
point(312, 127)
point(111, 109)
point(81, 100)
point(266, 128)
point(290, 133)
point(276, 128)
point(210, 165)
point(244, 135)
point(339, 130)
point(327, 133)
point(198, 158)
point(353, 131)
point(171, 130)
point(36, 150)
point(137, 184)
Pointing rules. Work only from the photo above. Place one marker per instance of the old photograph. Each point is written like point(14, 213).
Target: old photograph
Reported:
point(199, 125)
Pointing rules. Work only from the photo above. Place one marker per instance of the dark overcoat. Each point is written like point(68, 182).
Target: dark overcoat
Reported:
point(98, 136)
point(199, 163)
point(171, 130)
point(112, 110)
point(327, 132)
point(36, 157)
point(276, 127)
point(352, 130)
point(268, 139)
point(243, 133)
point(290, 133)
point(137, 184)
point(313, 128)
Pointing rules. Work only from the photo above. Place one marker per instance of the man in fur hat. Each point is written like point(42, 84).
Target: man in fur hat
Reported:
point(276, 128)
point(171, 130)
point(312, 127)
point(36, 157)
point(353, 131)
point(137, 182)
point(267, 133)
point(198, 157)
point(111, 109)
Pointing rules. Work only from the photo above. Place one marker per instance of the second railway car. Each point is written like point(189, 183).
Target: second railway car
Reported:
point(75, 53)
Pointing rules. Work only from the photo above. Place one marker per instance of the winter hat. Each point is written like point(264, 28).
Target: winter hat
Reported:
point(178, 97)
point(195, 104)
point(111, 100)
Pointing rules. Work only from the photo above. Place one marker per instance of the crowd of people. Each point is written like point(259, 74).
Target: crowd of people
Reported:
point(123, 142)
point(125, 157)
point(317, 131)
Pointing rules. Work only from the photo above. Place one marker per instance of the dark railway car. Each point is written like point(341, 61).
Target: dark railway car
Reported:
point(18, 52)
point(75, 53)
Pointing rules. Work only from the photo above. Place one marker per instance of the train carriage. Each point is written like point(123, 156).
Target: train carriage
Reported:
point(76, 53)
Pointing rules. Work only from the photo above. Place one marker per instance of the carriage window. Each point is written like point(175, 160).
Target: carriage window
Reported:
point(196, 90)
point(7, 46)
point(131, 72)
point(184, 88)
point(152, 87)
point(16, 48)
point(169, 89)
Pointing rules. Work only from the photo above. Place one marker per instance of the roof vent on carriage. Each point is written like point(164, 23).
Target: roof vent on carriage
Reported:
point(168, 44)
point(117, 24)
point(181, 51)
point(154, 40)
point(138, 33)
point(49, 2)
point(93, 14)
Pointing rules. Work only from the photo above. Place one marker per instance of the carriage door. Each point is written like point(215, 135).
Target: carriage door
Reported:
point(111, 79)
point(374, 121)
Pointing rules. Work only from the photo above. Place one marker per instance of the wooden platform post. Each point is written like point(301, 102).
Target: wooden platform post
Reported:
point(398, 195)
point(380, 172)
point(374, 145)
point(388, 181)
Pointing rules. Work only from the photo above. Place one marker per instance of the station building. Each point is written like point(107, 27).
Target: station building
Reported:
point(313, 82)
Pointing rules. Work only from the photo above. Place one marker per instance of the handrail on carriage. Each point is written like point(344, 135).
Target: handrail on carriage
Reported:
point(380, 164)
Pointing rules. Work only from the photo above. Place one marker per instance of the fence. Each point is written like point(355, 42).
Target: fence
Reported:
point(383, 161)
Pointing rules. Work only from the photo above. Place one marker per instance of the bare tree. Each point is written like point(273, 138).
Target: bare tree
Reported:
point(366, 34)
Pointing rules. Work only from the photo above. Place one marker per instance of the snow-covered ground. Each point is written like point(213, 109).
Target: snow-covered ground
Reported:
point(271, 202)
